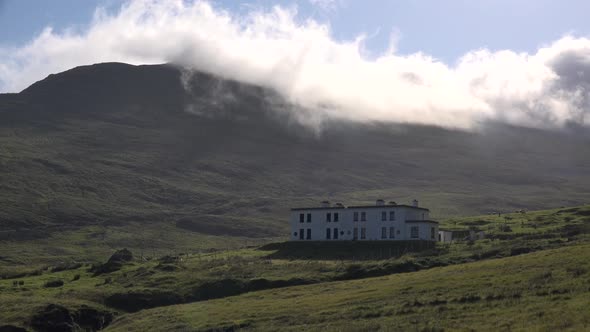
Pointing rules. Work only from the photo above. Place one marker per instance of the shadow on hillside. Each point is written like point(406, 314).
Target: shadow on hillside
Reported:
point(345, 250)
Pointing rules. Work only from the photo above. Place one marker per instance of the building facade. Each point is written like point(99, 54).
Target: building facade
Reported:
point(445, 236)
point(379, 222)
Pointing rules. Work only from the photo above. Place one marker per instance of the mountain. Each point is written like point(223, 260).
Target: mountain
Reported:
point(113, 144)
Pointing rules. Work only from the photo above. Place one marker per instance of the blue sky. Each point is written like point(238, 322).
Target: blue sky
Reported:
point(443, 29)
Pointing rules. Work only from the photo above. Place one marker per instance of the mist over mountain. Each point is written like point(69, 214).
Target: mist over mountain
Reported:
point(546, 87)
point(113, 143)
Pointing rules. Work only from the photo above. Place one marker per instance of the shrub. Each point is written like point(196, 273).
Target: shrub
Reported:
point(54, 283)
point(76, 277)
point(135, 301)
point(65, 266)
point(55, 317)
point(115, 262)
point(520, 251)
point(493, 297)
point(541, 279)
point(488, 254)
point(469, 299)
point(576, 271)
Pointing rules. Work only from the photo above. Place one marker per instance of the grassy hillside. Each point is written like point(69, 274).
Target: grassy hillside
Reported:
point(480, 278)
point(545, 291)
point(103, 153)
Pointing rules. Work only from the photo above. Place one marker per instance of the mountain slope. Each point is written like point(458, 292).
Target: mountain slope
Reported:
point(113, 144)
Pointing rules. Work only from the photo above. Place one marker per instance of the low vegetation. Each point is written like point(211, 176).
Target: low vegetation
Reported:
point(129, 282)
point(547, 291)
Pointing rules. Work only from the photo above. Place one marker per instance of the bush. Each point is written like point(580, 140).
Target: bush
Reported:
point(115, 262)
point(54, 283)
point(520, 251)
point(76, 277)
point(219, 288)
point(469, 299)
point(55, 317)
point(65, 266)
point(541, 279)
point(576, 271)
point(135, 301)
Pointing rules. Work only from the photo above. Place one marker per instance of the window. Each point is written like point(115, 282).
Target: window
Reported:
point(356, 216)
point(422, 216)
point(398, 232)
point(363, 233)
point(383, 216)
point(301, 217)
point(384, 232)
point(414, 232)
point(432, 233)
point(335, 233)
point(391, 233)
point(356, 234)
point(309, 217)
point(363, 216)
point(328, 217)
point(295, 234)
point(336, 216)
point(391, 215)
point(328, 233)
point(301, 234)
point(309, 233)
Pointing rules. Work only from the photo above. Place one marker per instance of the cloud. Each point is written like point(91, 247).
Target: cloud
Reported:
point(303, 62)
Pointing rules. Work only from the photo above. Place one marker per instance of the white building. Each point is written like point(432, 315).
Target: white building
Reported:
point(363, 223)
point(445, 236)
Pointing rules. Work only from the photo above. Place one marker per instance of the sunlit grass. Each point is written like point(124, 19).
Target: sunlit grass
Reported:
point(458, 282)
point(529, 292)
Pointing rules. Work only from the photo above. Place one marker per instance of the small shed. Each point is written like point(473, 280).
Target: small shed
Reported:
point(445, 236)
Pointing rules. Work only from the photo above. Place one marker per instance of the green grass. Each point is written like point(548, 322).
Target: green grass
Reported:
point(547, 291)
point(200, 275)
point(91, 244)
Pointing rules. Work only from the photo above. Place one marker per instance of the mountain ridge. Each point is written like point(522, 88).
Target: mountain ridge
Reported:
point(113, 142)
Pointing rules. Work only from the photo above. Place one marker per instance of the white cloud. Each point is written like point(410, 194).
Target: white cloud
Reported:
point(302, 61)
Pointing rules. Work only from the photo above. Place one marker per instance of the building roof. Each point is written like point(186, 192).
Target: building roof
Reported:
point(424, 221)
point(320, 208)
point(386, 206)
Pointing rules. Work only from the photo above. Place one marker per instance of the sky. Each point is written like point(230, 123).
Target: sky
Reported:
point(444, 29)
point(452, 63)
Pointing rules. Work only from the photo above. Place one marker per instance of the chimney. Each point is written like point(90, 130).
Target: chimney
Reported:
point(326, 204)
point(415, 203)
point(380, 202)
